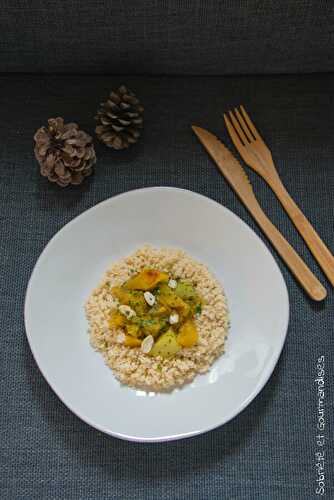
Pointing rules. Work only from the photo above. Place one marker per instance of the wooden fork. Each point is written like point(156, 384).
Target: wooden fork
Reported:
point(257, 155)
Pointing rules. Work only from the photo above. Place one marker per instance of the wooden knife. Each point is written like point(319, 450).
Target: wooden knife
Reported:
point(237, 178)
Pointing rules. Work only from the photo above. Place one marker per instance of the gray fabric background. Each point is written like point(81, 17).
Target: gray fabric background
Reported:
point(205, 37)
point(265, 453)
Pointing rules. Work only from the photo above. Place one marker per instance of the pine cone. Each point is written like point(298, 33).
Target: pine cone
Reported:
point(65, 153)
point(120, 119)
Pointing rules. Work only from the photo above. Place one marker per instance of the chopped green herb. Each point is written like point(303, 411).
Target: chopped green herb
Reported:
point(148, 322)
point(198, 309)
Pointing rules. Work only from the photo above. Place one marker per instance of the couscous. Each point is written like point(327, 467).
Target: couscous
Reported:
point(158, 318)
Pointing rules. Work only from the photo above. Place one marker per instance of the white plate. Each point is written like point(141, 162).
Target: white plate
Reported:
point(73, 263)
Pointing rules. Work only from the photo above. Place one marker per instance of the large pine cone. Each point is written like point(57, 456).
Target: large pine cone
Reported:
point(65, 153)
point(120, 119)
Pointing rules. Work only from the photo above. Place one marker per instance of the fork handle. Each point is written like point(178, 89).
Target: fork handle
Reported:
point(297, 266)
point(306, 230)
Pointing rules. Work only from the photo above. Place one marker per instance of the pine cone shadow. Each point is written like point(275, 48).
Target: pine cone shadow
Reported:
point(50, 196)
point(108, 157)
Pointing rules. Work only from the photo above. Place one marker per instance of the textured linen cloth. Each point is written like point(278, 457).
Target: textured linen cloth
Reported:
point(268, 451)
point(205, 37)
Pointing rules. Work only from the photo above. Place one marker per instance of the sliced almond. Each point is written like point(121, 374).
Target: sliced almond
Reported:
point(127, 311)
point(172, 283)
point(147, 344)
point(150, 299)
point(174, 318)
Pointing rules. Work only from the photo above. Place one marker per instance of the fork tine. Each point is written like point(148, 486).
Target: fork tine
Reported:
point(244, 125)
point(238, 128)
point(250, 123)
point(234, 136)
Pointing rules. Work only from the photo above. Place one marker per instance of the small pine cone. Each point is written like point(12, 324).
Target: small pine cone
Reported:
point(120, 119)
point(65, 153)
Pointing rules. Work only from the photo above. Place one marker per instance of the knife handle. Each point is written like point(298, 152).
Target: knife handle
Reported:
point(297, 266)
point(314, 242)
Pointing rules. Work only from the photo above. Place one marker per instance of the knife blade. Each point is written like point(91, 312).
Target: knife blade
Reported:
point(236, 176)
point(229, 166)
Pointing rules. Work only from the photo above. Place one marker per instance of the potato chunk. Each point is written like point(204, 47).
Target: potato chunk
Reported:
point(168, 298)
point(166, 346)
point(146, 280)
point(132, 341)
point(186, 291)
point(152, 326)
point(133, 330)
point(187, 336)
point(117, 320)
